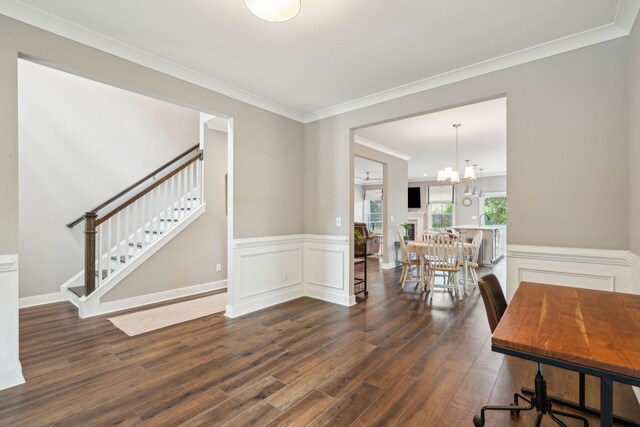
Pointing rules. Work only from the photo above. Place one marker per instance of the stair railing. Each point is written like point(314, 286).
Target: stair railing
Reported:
point(115, 238)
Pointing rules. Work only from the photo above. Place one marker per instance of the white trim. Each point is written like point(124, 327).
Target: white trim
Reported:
point(581, 255)
point(389, 265)
point(603, 269)
point(626, 14)
point(330, 296)
point(381, 148)
point(149, 251)
point(41, 300)
point(38, 18)
point(11, 377)
point(142, 300)
point(272, 298)
point(8, 263)
point(625, 17)
point(555, 47)
point(254, 242)
point(636, 390)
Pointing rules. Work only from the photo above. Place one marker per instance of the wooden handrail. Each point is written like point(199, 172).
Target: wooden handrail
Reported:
point(136, 184)
point(146, 190)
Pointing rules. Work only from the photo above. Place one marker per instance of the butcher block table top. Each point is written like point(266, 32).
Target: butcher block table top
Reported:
point(596, 329)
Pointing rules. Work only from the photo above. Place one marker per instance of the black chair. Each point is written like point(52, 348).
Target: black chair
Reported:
point(495, 305)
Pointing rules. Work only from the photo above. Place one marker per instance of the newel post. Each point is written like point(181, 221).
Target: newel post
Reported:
point(89, 253)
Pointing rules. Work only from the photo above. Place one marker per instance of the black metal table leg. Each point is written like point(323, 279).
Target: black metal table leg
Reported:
point(606, 401)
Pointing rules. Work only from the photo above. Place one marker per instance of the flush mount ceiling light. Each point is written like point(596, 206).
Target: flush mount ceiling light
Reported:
point(274, 10)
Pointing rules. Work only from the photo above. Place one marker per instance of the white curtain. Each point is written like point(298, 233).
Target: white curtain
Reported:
point(441, 194)
point(373, 194)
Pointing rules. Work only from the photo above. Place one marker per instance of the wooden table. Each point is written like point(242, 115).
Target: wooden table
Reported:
point(420, 248)
point(591, 332)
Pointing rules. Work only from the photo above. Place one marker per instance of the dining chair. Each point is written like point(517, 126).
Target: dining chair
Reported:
point(495, 305)
point(443, 252)
point(407, 263)
point(430, 233)
point(472, 258)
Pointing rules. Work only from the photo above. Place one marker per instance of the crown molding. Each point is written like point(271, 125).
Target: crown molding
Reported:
point(381, 148)
point(625, 17)
point(43, 20)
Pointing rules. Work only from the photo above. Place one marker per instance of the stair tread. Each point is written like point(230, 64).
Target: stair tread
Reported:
point(123, 258)
point(76, 290)
point(105, 273)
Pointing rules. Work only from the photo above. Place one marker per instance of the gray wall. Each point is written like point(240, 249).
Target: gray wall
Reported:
point(190, 258)
point(464, 214)
point(266, 146)
point(634, 141)
point(81, 142)
point(394, 190)
point(567, 148)
point(358, 203)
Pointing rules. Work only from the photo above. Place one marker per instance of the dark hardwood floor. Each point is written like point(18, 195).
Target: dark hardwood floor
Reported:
point(389, 360)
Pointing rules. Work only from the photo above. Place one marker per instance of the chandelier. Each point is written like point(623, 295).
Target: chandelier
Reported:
point(452, 175)
point(274, 10)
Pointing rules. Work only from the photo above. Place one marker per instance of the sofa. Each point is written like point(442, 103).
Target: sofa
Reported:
point(371, 243)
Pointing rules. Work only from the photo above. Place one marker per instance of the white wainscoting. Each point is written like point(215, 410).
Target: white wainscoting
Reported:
point(634, 266)
point(599, 269)
point(326, 260)
point(272, 270)
point(10, 368)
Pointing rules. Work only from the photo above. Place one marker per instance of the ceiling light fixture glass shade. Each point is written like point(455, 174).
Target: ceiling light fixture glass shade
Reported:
point(470, 171)
point(449, 174)
point(274, 10)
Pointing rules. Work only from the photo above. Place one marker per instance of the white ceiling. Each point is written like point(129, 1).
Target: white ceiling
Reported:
point(430, 139)
point(362, 166)
point(336, 55)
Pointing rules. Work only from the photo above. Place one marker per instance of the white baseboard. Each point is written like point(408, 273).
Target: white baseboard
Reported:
point(41, 299)
point(11, 377)
point(142, 300)
point(388, 265)
point(147, 253)
point(265, 301)
point(325, 294)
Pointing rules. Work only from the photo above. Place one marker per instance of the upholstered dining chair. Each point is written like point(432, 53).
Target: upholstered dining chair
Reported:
point(495, 305)
point(407, 264)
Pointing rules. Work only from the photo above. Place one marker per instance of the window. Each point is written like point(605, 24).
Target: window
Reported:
point(440, 215)
point(495, 210)
point(373, 215)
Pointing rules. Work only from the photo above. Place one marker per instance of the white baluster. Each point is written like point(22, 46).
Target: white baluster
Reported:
point(118, 240)
point(99, 249)
point(136, 212)
point(109, 245)
point(130, 217)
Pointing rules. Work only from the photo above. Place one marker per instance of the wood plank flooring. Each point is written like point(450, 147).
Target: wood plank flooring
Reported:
point(391, 360)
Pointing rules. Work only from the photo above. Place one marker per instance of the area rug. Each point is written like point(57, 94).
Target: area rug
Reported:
point(145, 321)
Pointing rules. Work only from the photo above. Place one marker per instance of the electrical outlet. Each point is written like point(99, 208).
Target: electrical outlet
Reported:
point(392, 218)
point(338, 221)
point(218, 267)
point(474, 217)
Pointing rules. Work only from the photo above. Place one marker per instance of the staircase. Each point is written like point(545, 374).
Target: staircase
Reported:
point(124, 231)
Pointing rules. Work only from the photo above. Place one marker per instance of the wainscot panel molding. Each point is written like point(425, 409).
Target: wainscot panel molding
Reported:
point(634, 265)
point(275, 269)
point(10, 368)
point(599, 269)
point(327, 269)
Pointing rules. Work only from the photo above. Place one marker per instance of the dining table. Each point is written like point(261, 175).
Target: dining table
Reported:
point(591, 332)
point(421, 249)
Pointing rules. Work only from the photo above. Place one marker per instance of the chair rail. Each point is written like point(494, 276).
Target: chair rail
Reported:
point(134, 185)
